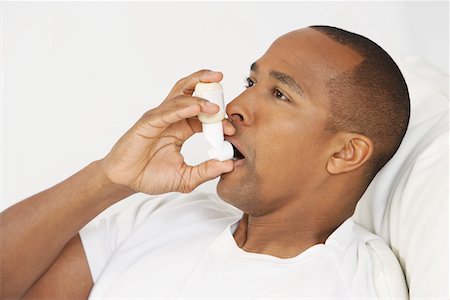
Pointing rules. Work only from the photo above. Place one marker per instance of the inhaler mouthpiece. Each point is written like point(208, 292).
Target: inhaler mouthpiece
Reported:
point(212, 124)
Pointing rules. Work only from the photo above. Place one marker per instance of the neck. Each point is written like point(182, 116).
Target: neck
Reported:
point(287, 233)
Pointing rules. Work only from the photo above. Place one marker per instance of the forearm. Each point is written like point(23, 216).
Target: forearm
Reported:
point(34, 231)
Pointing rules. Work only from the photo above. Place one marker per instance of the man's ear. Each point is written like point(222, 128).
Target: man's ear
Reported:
point(350, 151)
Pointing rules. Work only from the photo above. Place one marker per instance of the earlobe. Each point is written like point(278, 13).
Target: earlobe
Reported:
point(351, 153)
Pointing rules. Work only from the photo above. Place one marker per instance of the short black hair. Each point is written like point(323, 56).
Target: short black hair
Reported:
point(371, 99)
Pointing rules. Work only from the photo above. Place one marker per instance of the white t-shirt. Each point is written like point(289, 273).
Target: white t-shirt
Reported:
point(182, 246)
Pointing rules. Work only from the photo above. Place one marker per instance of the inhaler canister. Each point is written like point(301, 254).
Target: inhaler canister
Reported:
point(212, 124)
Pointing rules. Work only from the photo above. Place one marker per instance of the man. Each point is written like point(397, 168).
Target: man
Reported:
point(323, 111)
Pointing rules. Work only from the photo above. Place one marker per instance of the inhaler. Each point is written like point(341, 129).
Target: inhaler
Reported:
point(212, 124)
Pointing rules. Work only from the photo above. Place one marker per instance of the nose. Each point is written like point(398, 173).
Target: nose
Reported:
point(240, 110)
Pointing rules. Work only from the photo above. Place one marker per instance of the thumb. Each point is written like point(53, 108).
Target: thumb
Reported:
point(208, 170)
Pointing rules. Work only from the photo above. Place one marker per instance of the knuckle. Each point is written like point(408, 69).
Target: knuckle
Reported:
point(179, 102)
point(178, 98)
point(181, 82)
point(148, 114)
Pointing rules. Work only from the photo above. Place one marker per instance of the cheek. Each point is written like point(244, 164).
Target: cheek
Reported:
point(286, 160)
point(279, 168)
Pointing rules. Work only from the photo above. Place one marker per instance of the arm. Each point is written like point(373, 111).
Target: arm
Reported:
point(146, 159)
point(34, 231)
point(68, 277)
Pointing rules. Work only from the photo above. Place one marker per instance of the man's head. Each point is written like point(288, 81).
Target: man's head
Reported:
point(324, 110)
point(379, 106)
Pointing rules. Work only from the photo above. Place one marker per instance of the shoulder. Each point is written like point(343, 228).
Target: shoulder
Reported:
point(365, 260)
point(161, 213)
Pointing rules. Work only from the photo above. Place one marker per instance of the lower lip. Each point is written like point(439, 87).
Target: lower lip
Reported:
point(238, 162)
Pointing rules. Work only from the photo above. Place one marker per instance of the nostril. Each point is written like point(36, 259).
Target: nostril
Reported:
point(236, 118)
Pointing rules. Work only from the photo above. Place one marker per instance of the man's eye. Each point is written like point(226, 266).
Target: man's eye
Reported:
point(279, 95)
point(250, 83)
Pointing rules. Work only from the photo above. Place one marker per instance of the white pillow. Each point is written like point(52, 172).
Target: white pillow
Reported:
point(388, 278)
point(407, 202)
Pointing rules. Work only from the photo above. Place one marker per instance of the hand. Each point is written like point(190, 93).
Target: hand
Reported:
point(147, 158)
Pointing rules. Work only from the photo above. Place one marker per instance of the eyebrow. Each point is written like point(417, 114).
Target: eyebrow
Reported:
point(281, 77)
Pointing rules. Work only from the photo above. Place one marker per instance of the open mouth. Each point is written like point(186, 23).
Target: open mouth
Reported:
point(237, 154)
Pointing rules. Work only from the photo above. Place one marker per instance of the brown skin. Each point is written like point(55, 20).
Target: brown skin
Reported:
point(41, 253)
point(290, 185)
point(294, 184)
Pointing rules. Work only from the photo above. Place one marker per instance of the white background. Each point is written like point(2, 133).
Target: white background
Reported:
point(76, 76)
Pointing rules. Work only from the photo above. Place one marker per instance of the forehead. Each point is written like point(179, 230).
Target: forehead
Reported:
point(311, 57)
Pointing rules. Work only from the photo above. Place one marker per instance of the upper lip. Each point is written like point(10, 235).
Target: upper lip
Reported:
point(236, 144)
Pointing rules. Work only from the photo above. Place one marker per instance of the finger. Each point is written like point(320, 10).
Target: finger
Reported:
point(208, 170)
point(207, 106)
point(211, 76)
point(186, 85)
point(228, 128)
point(175, 114)
point(195, 124)
point(183, 107)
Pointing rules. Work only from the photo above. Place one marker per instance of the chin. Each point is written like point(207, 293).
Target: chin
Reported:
point(238, 193)
point(231, 184)
point(223, 189)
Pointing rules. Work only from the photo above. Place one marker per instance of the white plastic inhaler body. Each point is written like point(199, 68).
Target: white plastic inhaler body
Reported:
point(212, 124)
